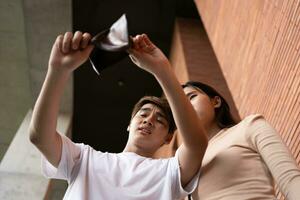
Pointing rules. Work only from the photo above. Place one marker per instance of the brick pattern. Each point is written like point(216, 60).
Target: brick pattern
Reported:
point(193, 58)
point(257, 45)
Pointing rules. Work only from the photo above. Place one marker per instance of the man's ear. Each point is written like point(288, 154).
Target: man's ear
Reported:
point(168, 138)
point(217, 102)
point(128, 127)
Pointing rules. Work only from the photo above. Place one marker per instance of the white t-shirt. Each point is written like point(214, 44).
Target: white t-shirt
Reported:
point(92, 174)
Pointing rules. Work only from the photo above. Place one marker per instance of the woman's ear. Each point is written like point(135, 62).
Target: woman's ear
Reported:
point(217, 102)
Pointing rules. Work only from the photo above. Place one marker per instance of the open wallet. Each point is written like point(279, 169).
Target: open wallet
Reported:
point(111, 45)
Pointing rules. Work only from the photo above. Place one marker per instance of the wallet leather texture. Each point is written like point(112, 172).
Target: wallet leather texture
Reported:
point(111, 45)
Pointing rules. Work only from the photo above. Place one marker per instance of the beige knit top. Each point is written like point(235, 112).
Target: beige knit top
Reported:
point(240, 163)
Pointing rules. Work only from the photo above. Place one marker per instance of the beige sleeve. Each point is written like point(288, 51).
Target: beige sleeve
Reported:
point(267, 142)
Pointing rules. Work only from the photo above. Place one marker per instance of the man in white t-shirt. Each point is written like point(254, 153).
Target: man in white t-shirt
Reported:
point(132, 174)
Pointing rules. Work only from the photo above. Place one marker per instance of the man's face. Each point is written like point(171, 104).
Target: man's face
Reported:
point(148, 129)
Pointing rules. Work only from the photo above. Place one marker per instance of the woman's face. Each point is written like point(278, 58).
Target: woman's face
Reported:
point(202, 103)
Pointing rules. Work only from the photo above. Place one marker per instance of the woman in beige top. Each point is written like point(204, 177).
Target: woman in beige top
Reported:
point(243, 159)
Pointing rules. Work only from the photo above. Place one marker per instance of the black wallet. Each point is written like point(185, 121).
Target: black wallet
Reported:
point(111, 45)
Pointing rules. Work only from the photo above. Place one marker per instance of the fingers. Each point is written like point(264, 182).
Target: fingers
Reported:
point(134, 43)
point(68, 42)
point(76, 40)
point(59, 41)
point(86, 38)
point(134, 52)
point(148, 41)
point(142, 42)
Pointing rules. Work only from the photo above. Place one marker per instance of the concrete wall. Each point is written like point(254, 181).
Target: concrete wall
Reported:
point(27, 32)
point(15, 93)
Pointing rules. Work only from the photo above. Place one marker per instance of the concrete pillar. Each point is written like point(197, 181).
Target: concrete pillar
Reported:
point(28, 30)
point(20, 168)
point(15, 95)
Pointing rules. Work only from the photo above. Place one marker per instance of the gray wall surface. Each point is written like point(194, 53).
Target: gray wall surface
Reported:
point(27, 32)
point(15, 94)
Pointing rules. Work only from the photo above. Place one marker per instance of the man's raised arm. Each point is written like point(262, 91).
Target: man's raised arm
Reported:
point(147, 56)
point(68, 53)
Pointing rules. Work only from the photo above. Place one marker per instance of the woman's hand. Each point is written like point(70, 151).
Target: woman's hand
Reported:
point(146, 55)
point(70, 51)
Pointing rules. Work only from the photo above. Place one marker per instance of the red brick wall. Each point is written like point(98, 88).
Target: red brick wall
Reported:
point(257, 44)
point(192, 58)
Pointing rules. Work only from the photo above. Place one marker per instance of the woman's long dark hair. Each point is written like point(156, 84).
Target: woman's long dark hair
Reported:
point(223, 115)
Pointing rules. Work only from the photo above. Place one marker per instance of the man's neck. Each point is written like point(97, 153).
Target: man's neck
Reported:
point(137, 150)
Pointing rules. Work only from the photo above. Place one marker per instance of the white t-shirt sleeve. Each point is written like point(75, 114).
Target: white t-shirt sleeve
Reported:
point(70, 155)
point(177, 187)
